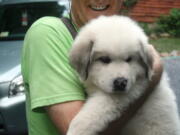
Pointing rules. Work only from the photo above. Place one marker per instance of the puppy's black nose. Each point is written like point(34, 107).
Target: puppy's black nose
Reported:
point(120, 84)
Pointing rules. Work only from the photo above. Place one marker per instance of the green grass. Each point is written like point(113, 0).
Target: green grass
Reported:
point(166, 44)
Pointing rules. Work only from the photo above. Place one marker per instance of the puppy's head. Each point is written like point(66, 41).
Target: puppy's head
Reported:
point(111, 54)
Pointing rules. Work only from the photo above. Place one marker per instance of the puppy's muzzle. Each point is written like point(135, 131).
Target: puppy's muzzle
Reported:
point(120, 84)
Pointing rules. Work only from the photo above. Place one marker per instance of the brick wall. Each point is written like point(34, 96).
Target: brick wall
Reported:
point(150, 10)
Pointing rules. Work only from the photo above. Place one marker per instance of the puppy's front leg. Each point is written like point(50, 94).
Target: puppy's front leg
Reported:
point(95, 115)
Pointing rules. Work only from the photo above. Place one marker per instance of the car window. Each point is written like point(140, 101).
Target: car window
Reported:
point(15, 19)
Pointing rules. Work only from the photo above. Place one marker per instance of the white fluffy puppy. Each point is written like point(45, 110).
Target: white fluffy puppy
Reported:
point(112, 58)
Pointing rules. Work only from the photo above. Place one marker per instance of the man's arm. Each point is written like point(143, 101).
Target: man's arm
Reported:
point(62, 114)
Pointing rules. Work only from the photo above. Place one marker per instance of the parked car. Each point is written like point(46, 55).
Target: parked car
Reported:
point(16, 16)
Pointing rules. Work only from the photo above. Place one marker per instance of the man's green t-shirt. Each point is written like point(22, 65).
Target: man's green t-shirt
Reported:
point(48, 76)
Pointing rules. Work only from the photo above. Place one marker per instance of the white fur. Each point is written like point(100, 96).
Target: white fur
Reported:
point(120, 37)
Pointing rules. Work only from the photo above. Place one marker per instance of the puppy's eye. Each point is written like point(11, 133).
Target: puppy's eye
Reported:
point(129, 59)
point(104, 59)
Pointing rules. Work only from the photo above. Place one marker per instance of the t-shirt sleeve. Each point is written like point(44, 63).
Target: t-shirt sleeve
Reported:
point(49, 75)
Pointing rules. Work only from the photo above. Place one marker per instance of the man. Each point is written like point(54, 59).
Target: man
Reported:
point(54, 94)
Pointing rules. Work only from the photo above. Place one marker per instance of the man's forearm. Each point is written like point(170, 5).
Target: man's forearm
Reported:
point(62, 114)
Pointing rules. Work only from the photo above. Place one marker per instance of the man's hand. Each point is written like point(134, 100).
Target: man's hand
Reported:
point(157, 67)
point(62, 114)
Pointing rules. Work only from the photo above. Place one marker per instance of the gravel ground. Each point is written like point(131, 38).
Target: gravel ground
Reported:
point(172, 66)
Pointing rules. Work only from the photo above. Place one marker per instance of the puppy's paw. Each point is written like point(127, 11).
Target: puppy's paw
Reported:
point(80, 127)
point(74, 132)
point(70, 133)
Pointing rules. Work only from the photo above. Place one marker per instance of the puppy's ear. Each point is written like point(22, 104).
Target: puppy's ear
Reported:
point(80, 56)
point(147, 59)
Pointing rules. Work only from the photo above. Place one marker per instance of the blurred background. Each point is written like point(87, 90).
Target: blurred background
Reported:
point(160, 20)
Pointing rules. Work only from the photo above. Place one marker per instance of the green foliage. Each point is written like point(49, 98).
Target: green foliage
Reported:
point(129, 3)
point(146, 28)
point(170, 23)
